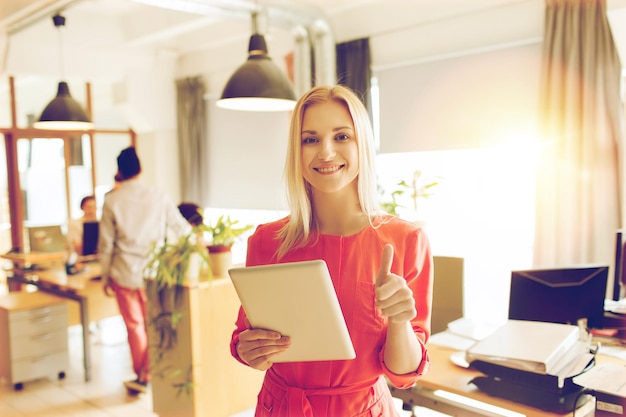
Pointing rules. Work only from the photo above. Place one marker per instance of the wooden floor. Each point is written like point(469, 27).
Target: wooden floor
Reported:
point(103, 396)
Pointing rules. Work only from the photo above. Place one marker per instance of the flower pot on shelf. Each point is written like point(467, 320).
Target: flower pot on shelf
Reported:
point(220, 259)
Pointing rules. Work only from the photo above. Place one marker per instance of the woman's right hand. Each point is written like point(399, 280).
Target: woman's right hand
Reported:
point(257, 347)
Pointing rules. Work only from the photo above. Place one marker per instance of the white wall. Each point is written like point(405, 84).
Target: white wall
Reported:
point(246, 154)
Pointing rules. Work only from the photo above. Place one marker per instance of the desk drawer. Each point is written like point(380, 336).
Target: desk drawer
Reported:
point(27, 369)
point(35, 321)
point(39, 344)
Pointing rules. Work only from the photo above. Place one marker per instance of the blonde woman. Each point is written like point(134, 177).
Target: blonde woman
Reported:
point(381, 267)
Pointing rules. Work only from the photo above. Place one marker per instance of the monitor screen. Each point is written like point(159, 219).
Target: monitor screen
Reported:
point(559, 295)
point(90, 237)
point(619, 268)
point(46, 239)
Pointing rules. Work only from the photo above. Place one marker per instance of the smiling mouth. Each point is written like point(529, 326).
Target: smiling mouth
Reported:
point(329, 170)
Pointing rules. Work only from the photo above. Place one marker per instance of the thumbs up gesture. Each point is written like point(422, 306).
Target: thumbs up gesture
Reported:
point(394, 298)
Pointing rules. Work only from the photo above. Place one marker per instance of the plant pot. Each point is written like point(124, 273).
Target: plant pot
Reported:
point(220, 259)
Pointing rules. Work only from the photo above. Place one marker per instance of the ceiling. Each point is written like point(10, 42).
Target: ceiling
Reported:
point(169, 22)
point(103, 38)
point(184, 26)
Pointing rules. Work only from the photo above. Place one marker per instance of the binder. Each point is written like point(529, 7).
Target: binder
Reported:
point(527, 345)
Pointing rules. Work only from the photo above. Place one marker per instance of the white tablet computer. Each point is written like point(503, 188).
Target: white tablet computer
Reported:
point(298, 300)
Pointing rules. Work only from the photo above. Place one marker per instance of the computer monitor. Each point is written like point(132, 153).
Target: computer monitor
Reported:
point(559, 295)
point(91, 231)
point(619, 268)
point(46, 239)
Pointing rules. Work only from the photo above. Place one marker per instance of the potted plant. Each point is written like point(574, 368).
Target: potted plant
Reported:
point(222, 235)
point(170, 267)
point(407, 194)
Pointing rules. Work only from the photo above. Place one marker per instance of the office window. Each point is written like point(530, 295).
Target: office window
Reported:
point(79, 172)
point(41, 164)
point(5, 221)
point(470, 119)
point(482, 210)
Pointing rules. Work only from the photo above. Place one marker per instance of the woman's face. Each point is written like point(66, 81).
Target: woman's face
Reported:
point(90, 209)
point(329, 153)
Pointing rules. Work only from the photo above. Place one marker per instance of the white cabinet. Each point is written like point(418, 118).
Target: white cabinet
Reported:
point(33, 337)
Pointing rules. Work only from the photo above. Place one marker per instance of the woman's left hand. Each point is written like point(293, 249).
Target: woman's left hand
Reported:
point(394, 298)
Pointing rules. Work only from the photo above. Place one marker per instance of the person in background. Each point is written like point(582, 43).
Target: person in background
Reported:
point(192, 212)
point(381, 267)
point(75, 226)
point(134, 217)
point(117, 181)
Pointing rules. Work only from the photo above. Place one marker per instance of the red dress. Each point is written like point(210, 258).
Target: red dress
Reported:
point(352, 387)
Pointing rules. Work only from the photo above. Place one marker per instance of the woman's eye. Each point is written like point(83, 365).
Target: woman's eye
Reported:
point(309, 140)
point(342, 137)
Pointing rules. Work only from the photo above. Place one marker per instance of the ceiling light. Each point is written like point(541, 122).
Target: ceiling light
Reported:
point(63, 112)
point(258, 84)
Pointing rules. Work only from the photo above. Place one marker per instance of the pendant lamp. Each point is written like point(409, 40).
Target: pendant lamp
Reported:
point(63, 112)
point(258, 84)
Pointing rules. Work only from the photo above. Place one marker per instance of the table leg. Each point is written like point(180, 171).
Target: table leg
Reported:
point(84, 321)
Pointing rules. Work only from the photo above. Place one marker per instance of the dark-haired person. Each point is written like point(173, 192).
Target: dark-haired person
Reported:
point(192, 212)
point(134, 217)
point(75, 226)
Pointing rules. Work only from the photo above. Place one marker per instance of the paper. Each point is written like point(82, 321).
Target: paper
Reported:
point(613, 306)
point(473, 329)
point(609, 378)
point(450, 340)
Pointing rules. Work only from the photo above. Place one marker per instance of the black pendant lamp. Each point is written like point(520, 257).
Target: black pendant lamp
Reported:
point(63, 112)
point(258, 84)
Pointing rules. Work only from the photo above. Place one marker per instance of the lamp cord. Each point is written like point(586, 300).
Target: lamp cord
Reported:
point(59, 22)
point(61, 68)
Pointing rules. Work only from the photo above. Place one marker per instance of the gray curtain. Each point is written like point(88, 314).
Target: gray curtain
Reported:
point(353, 67)
point(192, 140)
point(579, 198)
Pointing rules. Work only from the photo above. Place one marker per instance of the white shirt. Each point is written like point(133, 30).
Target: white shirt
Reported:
point(134, 218)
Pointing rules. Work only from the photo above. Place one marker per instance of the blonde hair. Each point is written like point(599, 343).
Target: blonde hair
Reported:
point(297, 231)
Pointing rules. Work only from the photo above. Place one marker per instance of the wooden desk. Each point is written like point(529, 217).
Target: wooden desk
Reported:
point(54, 280)
point(87, 283)
point(23, 260)
point(445, 375)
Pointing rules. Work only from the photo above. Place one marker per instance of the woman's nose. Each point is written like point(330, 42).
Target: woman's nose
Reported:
point(327, 150)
